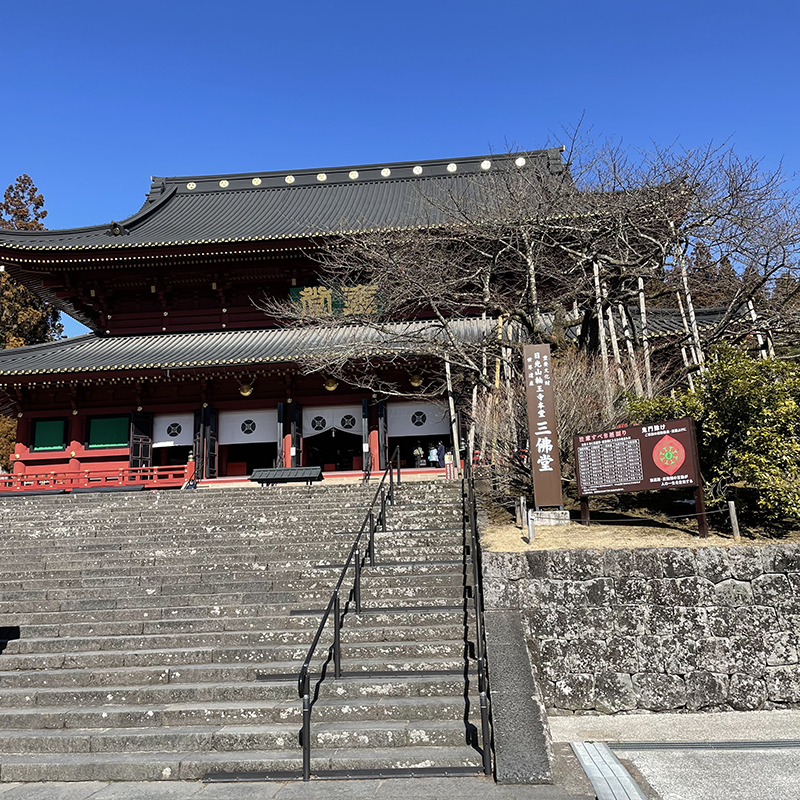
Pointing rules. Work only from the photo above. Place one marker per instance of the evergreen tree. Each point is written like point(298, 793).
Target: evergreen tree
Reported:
point(24, 318)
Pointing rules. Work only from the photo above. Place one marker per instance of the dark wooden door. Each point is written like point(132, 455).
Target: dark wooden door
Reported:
point(199, 444)
point(297, 435)
point(141, 440)
point(365, 451)
point(383, 444)
point(212, 442)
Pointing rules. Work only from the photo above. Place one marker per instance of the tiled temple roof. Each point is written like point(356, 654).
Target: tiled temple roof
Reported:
point(301, 204)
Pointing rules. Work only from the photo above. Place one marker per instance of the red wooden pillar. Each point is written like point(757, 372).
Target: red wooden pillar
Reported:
point(76, 440)
point(23, 445)
point(286, 444)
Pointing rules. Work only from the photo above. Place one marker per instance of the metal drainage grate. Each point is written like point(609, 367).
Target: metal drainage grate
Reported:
point(610, 780)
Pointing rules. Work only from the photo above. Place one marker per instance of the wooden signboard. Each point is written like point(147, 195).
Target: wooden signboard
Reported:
point(639, 458)
point(545, 461)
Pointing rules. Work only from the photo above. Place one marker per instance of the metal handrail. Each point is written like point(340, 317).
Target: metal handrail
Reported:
point(477, 597)
point(369, 523)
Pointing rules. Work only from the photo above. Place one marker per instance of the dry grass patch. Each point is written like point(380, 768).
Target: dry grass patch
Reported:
point(505, 536)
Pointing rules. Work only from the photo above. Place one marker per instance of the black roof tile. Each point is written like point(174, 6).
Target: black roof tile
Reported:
point(91, 353)
point(282, 205)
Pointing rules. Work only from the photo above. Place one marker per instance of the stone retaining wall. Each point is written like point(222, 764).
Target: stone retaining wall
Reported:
point(660, 629)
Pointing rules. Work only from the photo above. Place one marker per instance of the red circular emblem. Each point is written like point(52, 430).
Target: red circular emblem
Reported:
point(669, 455)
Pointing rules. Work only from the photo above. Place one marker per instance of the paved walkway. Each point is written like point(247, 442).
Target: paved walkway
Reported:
point(417, 788)
point(757, 753)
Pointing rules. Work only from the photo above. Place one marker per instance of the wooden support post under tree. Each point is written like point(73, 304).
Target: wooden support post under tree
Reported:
point(626, 332)
point(601, 328)
point(601, 337)
point(453, 418)
point(695, 359)
point(471, 446)
point(688, 366)
point(612, 333)
point(762, 351)
point(690, 306)
point(585, 517)
point(648, 375)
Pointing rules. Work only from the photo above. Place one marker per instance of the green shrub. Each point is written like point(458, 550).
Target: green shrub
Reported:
point(748, 426)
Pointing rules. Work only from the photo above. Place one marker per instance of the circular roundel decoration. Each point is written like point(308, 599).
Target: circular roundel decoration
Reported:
point(419, 418)
point(319, 424)
point(669, 454)
point(348, 422)
point(174, 429)
point(248, 426)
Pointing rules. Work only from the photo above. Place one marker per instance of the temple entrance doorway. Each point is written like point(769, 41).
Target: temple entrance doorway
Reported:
point(334, 450)
point(242, 459)
point(412, 424)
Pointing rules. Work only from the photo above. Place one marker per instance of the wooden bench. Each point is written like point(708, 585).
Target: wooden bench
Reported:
point(286, 475)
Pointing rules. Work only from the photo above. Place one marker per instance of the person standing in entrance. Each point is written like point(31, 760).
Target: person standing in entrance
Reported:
point(440, 454)
point(433, 456)
point(419, 455)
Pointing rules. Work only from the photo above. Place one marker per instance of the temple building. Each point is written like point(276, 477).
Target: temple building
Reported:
point(181, 364)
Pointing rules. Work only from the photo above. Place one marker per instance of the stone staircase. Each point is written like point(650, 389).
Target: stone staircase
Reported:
point(159, 635)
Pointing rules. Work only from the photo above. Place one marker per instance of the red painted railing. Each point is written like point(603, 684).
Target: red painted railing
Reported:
point(150, 477)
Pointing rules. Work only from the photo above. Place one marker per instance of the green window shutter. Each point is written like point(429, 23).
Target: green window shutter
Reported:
point(108, 432)
point(48, 434)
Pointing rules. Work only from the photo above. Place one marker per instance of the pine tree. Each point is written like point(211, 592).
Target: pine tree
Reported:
point(24, 318)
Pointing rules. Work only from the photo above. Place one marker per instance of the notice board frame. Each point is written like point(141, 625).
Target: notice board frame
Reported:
point(664, 448)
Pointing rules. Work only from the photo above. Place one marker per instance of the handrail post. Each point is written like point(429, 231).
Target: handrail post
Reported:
point(306, 728)
point(371, 538)
point(357, 585)
point(337, 638)
point(391, 483)
point(397, 450)
point(383, 509)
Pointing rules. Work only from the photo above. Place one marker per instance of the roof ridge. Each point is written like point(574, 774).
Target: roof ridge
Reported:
point(549, 151)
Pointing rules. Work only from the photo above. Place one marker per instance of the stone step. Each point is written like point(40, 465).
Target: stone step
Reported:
point(194, 766)
point(225, 639)
point(292, 547)
point(205, 617)
point(395, 651)
point(236, 672)
point(235, 738)
point(209, 581)
point(74, 510)
point(330, 520)
point(211, 571)
point(239, 495)
point(230, 604)
point(191, 622)
point(160, 694)
point(257, 592)
point(253, 712)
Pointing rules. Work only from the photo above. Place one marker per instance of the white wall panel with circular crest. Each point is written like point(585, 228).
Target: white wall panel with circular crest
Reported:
point(248, 427)
point(417, 419)
point(173, 430)
point(318, 419)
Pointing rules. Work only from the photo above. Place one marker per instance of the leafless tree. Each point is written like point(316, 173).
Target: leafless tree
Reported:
point(570, 249)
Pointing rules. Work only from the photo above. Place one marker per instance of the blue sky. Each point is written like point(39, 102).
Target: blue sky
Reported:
point(97, 97)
